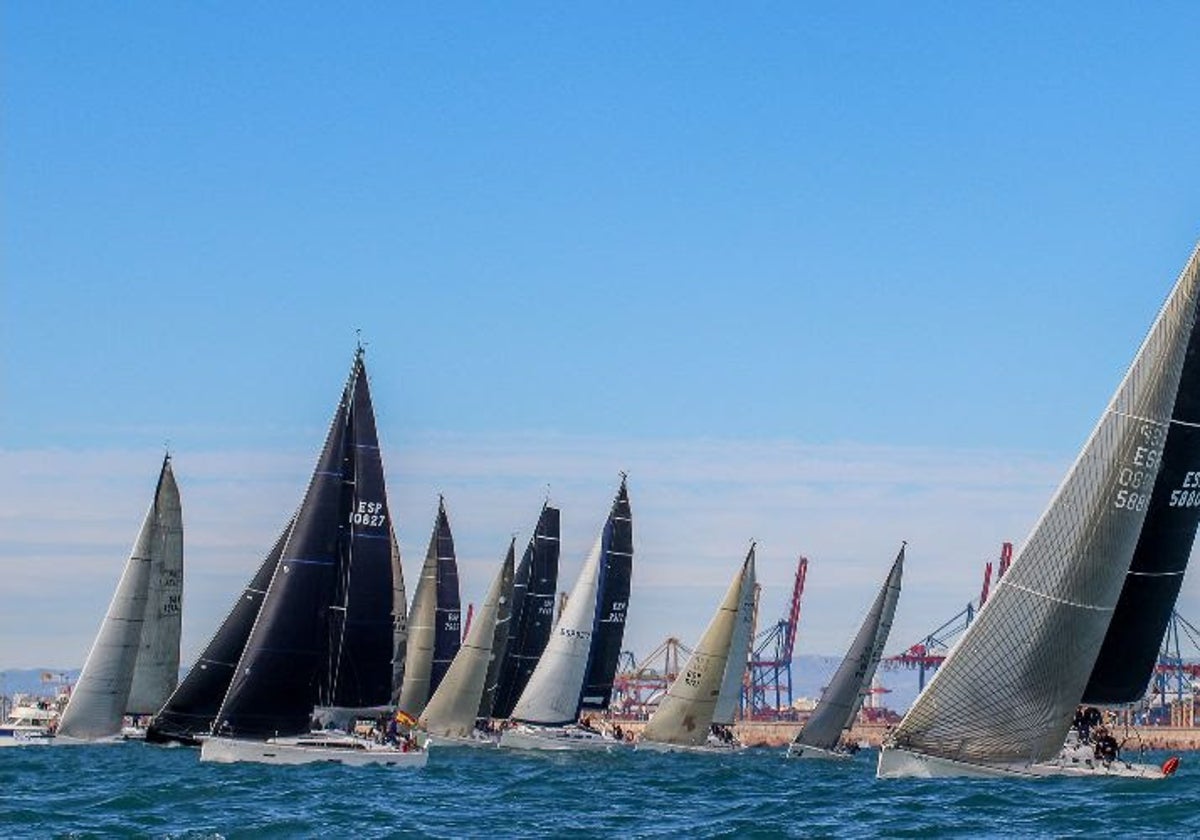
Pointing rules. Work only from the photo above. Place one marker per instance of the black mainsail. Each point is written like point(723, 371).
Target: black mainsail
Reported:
point(310, 629)
point(193, 706)
point(1130, 650)
point(534, 590)
point(448, 616)
point(612, 602)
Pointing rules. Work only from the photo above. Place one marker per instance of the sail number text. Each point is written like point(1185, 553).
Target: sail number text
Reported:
point(1188, 495)
point(1136, 481)
point(368, 513)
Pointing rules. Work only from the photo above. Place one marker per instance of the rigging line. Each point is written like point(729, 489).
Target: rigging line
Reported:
point(1052, 598)
point(1156, 574)
point(1140, 418)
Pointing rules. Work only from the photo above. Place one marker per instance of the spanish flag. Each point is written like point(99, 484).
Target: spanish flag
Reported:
point(405, 718)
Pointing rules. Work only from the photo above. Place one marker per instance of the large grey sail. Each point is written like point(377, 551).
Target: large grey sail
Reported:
point(453, 708)
point(843, 697)
point(156, 672)
point(101, 694)
point(1008, 690)
point(685, 714)
point(422, 633)
point(399, 620)
point(739, 649)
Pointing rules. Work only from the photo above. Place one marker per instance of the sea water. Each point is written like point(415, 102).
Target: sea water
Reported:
point(148, 791)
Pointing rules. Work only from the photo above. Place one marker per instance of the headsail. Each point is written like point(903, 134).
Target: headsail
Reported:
point(101, 695)
point(157, 670)
point(686, 712)
point(453, 708)
point(612, 602)
point(1008, 690)
point(433, 621)
point(535, 586)
point(739, 650)
point(1130, 651)
point(843, 697)
point(193, 706)
point(499, 645)
point(399, 619)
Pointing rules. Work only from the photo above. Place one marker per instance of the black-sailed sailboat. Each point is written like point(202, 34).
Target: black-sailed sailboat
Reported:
point(324, 632)
point(535, 588)
point(577, 668)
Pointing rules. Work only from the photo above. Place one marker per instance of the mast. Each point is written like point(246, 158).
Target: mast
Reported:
point(843, 697)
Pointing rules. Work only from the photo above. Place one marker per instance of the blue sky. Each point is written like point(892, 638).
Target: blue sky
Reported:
point(730, 250)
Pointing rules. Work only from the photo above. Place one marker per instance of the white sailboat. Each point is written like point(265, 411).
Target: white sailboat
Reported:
point(821, 736)
point(450, 715)
point(684, 720)
point(139, 636)
point(1004, 700)
point(576, 670)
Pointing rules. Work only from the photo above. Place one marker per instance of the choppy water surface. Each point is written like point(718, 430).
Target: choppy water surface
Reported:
point(139, 790)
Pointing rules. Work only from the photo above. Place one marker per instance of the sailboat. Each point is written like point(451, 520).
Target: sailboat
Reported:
point(324, 632)
point(189, 713)
point(434, 622)
point(684, 719)
point(821, 735)
point(535, 585)
point(139, 638)
point(576, 671)
point(1003, 701)
point(451, 714)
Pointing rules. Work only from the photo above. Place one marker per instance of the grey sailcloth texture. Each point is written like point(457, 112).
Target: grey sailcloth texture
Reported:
point(843, 697)
point(156, 672)
point(1008, 690)
point(499, 643)
point(453, 708)
point(422, 631)
point(739, 651)
point(685, 714)
point(551, 697)
point(101, 694)
point(399, 619)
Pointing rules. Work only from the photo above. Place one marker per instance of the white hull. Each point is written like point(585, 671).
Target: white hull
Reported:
point(805, 752)
point(557, 739)
point(19, 738)
point(895, 763)
point(304, 749)
point(481, 742)
point(710, 749)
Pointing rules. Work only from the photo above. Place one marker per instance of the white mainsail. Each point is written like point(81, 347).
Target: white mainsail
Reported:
point(100, 697)
point(739, 650)
point(551, 697)
point(1008, 690)
point(843, 697)
point(422, 634)
point(157, 670)
point(685, 714)
point(453, 708)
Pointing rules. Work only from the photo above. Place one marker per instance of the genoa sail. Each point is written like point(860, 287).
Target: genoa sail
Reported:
point(433, 621)
point(686, 713)
point(101, 695)
point(994, 701)
point(454, 706)
point(843, 697)
point(732, 684)
point(399, 620)
point(554, 694)
point(612, 603)
point(496, 651)
point(193, 706)
point(1130, 651)
point(535, 584)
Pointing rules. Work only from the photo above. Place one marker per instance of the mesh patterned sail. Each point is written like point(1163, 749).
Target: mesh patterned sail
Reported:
point(1008, 690)
point(686, 712)
point(454, 705)
point(739, 649)
point(843, 697)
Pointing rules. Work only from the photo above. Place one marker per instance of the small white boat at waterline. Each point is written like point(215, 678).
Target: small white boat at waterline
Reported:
point(560, 738)
point(29, 725)
point(309, 749)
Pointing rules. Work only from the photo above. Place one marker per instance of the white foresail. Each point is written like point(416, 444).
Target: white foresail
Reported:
point(422, 633)
point(685, 714)
point(843, 697)
point(739, 650)
point(1009, 688)
point(454, 705)
point(100, 697)
point(157, 670)
point(552, 694)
